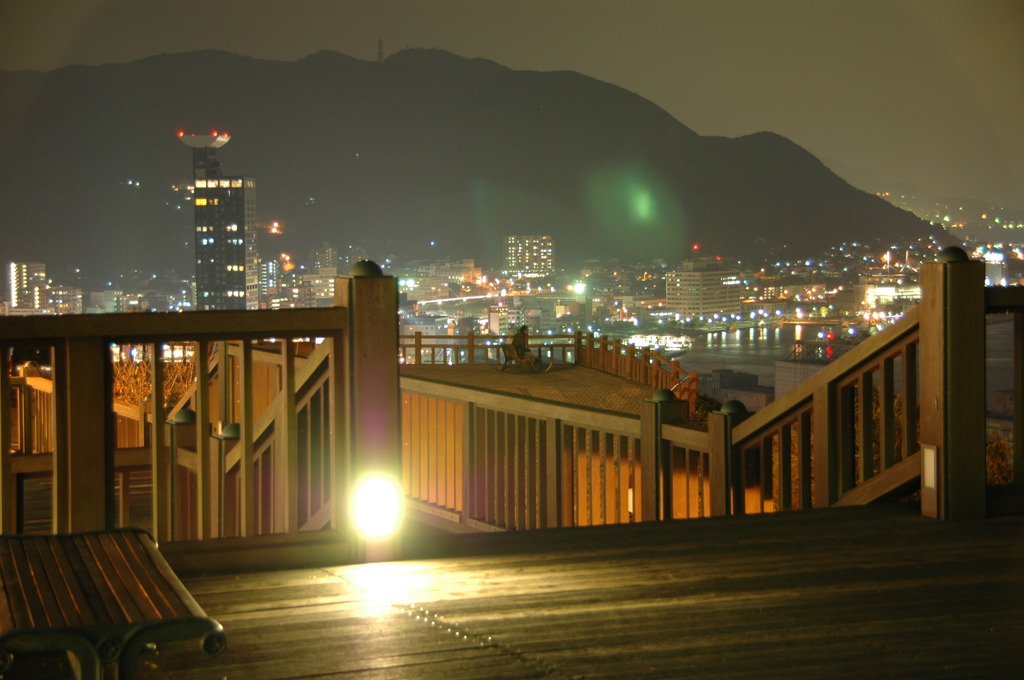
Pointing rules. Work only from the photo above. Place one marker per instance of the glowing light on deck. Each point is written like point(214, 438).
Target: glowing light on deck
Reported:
point(377, 507)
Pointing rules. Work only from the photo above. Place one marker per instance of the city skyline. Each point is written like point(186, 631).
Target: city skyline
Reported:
point(924, 92)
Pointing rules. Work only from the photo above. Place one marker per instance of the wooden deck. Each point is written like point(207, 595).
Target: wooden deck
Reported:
point(563, 384)
point(867, 592)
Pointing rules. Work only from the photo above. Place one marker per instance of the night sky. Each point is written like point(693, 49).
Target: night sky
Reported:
point(926, 91)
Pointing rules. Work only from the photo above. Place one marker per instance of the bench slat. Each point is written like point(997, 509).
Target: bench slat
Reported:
point(22, 602)
point(157, 586)
point(120, 579)
point(53, 597)
point(102, 605)
point(13, 604)
point(6, 618)
point(77, 612)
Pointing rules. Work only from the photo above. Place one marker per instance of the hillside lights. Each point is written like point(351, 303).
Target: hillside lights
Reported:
point(377, 506)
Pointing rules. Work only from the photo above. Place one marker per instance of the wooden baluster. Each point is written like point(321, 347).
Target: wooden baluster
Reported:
point(825, 425)
point(204, 484)
point(1018, 400)
point(8, 496)
point(160, 467)
point(803, 454)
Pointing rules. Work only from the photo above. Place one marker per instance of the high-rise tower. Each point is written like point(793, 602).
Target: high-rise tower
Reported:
point(225, 229)
point(26, 284)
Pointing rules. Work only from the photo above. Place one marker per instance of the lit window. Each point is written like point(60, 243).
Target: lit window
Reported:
point(200, 201)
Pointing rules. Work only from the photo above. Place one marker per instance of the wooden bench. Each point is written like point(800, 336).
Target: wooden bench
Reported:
point(104, 597)
point(513, 360)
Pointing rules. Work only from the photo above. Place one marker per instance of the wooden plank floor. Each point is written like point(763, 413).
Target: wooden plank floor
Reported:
point(868, 592)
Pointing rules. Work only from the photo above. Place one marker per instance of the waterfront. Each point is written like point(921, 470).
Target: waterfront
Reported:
point(755, 350)
point(747, 350)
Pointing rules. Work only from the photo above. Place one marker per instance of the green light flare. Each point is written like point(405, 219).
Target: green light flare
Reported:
point(636, 208)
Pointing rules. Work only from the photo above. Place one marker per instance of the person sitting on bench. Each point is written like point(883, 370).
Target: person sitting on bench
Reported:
point(521, 343)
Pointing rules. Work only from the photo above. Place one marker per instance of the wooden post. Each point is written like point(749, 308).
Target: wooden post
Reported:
point(650, 443)
point(720, 443)
point(952, 355)
point(85, 469)
point(374, 420)
point(655, 492)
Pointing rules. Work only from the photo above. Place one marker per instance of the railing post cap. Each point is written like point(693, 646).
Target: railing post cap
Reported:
point(365, 269)
point(951, 254)
point(663, 395)
point(733, 407)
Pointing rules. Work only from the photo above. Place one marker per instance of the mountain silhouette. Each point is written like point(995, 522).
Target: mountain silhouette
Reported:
point(423, 147)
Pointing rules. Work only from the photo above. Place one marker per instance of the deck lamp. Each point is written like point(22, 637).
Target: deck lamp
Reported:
point(230, 432)
point(377, 506)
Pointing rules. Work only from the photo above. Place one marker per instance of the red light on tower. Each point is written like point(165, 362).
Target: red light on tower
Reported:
point(696, 246)
point(213, 133)
point(181, 133)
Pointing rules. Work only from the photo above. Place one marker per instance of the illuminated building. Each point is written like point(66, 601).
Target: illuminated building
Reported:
point(703, 288)
point(529, 256)
point(64, 300)
point(26, 285)
point(995, 268)
point(888, 292)
point(225, 229)
point(324, 255)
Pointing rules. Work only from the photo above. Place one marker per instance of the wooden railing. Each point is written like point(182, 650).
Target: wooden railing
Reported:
point(904, 410)
point(486, 461)
point(504, 462)
point(837, 432)
point(275, 442)
point(31, 415)
point(472, 349)
point(900, 412)
point(252, 465)
point(639, 364)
